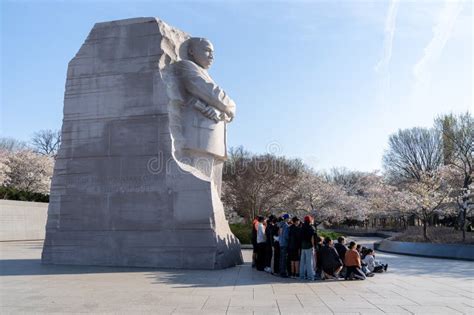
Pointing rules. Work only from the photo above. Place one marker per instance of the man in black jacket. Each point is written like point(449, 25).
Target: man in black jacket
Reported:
point(269, 243)
point(330, 261)
point(294, 247)
point(341, 249)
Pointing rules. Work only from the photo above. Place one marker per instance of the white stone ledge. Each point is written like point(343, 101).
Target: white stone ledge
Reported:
point(449, 251)
point(22, 220)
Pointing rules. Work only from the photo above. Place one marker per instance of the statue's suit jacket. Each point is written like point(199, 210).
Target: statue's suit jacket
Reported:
point(202, 134)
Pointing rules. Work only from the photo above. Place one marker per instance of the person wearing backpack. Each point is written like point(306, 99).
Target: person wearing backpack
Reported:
point(283, 238)
point(307, 249)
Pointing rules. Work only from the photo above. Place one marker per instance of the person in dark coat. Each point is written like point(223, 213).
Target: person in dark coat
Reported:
point(341, 249)
point(276, 246)
point(283, 238)
point(331, 263)
point(269, 243)
point(294, 247)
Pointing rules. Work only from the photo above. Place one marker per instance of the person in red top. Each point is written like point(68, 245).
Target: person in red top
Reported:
point(353, 263)
point(254, 240)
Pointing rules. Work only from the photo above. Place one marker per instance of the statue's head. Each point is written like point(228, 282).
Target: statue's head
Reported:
point(201, 51)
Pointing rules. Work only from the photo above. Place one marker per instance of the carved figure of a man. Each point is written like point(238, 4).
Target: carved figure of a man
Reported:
point(207, 109)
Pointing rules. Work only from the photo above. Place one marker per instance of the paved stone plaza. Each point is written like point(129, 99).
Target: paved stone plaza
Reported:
point(412, 286)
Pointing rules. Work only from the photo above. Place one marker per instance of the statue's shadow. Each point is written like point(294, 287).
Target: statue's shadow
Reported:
point(22, 259)
point(26, 262)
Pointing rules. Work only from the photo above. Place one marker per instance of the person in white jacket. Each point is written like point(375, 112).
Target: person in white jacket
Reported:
point(372, 264)
point(261, 241)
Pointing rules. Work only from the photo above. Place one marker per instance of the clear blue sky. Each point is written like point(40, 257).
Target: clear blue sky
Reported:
point(326, 81)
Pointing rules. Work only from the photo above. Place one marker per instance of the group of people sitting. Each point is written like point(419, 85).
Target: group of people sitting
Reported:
point(291, 248)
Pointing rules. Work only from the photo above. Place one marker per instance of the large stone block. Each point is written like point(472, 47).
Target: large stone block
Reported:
point(119, 194)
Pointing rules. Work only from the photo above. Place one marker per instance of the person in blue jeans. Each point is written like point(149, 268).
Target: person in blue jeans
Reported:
point(283, 236)
point(307, 249)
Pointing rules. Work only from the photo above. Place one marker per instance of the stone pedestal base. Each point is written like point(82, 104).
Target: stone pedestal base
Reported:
point(143, 249)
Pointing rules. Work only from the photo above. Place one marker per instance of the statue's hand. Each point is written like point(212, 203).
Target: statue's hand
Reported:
point(231, 113)
point(211, 113)
point(224, 117)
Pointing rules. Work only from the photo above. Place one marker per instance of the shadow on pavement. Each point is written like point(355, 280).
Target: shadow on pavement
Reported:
point(235, 276)
point(240, 275)
point(26, 267)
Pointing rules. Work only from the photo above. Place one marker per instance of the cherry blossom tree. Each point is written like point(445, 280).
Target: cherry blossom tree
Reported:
point(4, 168)
point(458, 151)
point(428, 196)
point(28, 171)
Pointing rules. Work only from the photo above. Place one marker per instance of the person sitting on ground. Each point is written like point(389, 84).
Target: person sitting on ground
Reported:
point(294, 247)
point(362, 250)
point(341, 250)
point(341, 247)
point(330, 261)
point(353, 263)
point(261, 244)
point(372, 264)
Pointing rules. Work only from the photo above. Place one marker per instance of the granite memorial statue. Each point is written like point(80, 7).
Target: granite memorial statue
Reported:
point(138, 175)
point(207, 110)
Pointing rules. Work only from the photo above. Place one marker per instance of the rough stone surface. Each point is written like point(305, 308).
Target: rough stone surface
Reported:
point(119, 196)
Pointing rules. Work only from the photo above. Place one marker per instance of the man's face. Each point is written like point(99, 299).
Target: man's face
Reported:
point(203, 54)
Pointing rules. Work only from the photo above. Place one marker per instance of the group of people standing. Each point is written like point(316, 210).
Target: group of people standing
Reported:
point(291, 248)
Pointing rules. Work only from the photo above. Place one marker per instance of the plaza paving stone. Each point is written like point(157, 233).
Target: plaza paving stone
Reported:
point(413, 285)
